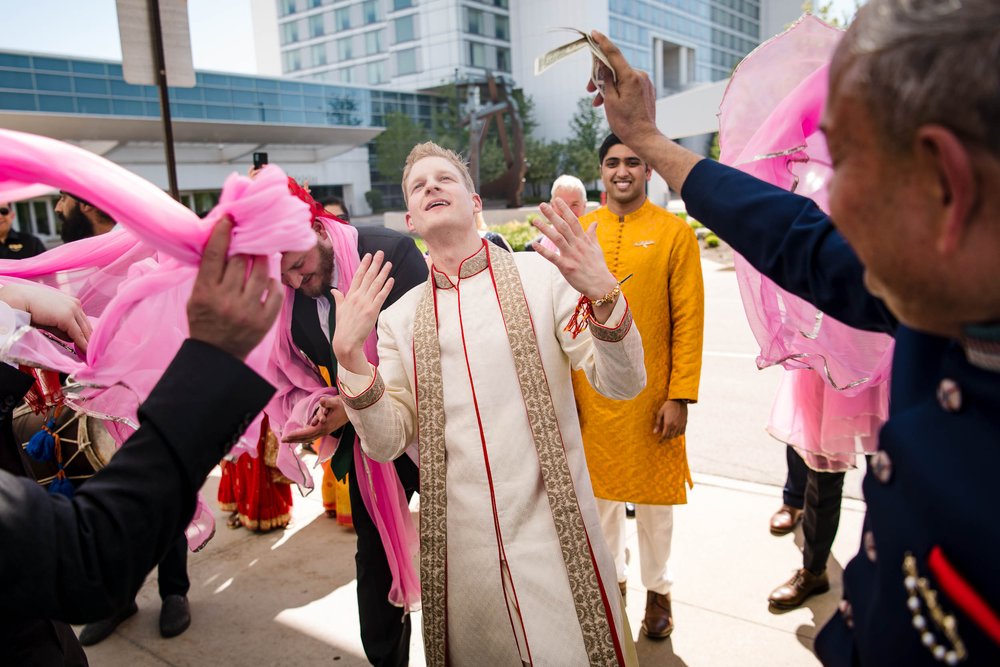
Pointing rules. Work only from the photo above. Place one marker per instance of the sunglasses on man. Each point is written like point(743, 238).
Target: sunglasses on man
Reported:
point(4, 210)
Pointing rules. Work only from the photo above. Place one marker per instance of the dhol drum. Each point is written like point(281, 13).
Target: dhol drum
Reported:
point(86, 445)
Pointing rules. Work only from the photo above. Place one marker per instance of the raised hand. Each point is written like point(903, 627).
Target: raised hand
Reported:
point(580, 259)
point(232, 307)
point(50, 310)
point(629, 101)
point(357, 311)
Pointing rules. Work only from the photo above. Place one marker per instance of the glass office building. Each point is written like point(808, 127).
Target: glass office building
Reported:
point(48, 84)
point(86, 100)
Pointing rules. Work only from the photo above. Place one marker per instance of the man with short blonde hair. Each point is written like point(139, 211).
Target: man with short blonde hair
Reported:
point(474, 369)
point(431, 149)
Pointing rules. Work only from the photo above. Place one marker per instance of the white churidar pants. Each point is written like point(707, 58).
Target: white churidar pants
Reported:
point(655, 524)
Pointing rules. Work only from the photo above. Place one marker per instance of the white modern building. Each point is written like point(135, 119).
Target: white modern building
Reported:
point(421, 44)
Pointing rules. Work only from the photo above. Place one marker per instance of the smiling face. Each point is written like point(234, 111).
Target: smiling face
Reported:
point(438, 199)
point(624, 175)
point(310, 272)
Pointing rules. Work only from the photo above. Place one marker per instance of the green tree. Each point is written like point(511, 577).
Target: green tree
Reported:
point(394, 144)
point(588, 131)
point(545, 160)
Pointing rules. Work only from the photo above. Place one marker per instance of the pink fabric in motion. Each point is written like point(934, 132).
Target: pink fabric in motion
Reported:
point(299, 391)
point(769, 128)
point(134, 282)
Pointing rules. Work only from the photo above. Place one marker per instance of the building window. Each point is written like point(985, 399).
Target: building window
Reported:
point(501, 27)
point(288, 7)
point(318, 55)
point(406, 61)
point(369, 10)
point(474, 21)
point(342, 18)
point(503, 59)
point(290, 32)
point(347, 75)
point(404, 29)
point(291, 60)
point(345, 50)
point(401, 4)
point(316, 25)
point(477, 54)
point(373, 42)
point(313, 4)
point(376, 72)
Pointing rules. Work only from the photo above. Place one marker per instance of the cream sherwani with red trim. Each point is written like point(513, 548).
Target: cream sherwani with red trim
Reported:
point(499, 522)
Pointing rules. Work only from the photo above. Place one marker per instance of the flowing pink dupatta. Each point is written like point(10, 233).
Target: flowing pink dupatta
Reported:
point(299, 391)
point(769, 127)
point(135, 281)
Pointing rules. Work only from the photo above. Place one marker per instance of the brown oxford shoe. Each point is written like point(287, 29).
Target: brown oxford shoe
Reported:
point(659, 621)
point(785, 519)
point(794, 592)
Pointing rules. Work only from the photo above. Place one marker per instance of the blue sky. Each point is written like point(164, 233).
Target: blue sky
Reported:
point(221, 30)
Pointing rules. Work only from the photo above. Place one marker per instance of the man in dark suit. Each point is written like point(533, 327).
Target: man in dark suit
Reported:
point(385, 628)
point(75, 560)
point(910, 248)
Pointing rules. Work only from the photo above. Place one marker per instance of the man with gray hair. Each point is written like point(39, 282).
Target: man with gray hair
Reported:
point(570, 189)
point(910, 248)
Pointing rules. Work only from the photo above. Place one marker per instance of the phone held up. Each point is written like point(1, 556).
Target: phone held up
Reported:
point(259, 160)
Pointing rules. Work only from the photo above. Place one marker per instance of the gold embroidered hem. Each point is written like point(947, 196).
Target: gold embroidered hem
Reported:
point(613, 335)
point(589, 598)
point(366, 398)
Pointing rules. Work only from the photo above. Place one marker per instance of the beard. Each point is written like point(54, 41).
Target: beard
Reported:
point(324, 272)
point(75, 225)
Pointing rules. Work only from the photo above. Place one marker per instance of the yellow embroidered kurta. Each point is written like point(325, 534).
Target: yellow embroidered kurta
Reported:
point(627, 461)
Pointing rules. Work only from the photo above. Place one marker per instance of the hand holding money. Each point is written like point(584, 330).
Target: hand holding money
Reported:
point(630, 104)
point(601, 63)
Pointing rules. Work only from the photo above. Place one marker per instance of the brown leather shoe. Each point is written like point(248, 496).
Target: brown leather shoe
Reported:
point(785, 519)
point(794, 592)
point(659, 621)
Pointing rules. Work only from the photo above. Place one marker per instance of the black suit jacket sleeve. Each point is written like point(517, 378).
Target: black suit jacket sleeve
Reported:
point(82, 559)
point(787, 238)
point(409, 268)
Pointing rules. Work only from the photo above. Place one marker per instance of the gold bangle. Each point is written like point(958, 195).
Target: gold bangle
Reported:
point(612, 295)
point(609, 297)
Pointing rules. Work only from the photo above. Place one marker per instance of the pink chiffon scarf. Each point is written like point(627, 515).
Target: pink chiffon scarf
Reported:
point(769, 128)
point(134, 282)
point(299, 391)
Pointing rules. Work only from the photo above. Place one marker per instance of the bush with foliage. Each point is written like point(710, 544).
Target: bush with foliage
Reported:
point(374, 199)
point(711, 241)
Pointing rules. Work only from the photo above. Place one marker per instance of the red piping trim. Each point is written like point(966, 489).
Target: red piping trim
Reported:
point(964, 596)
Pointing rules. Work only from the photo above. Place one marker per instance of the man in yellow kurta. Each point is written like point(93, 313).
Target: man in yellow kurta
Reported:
point(636, 449)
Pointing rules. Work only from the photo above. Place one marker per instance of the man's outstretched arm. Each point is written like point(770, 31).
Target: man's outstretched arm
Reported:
point(82, 559)
point(783, 235)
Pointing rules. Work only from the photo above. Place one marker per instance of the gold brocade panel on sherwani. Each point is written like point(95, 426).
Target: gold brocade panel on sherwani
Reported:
point(626, 458)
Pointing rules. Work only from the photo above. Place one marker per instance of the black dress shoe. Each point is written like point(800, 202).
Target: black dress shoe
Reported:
point(785, 519)
point(98, 631)
point(794, 592)
point(175, 616)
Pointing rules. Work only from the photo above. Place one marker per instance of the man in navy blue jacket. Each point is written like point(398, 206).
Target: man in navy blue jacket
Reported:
point(912, 248)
